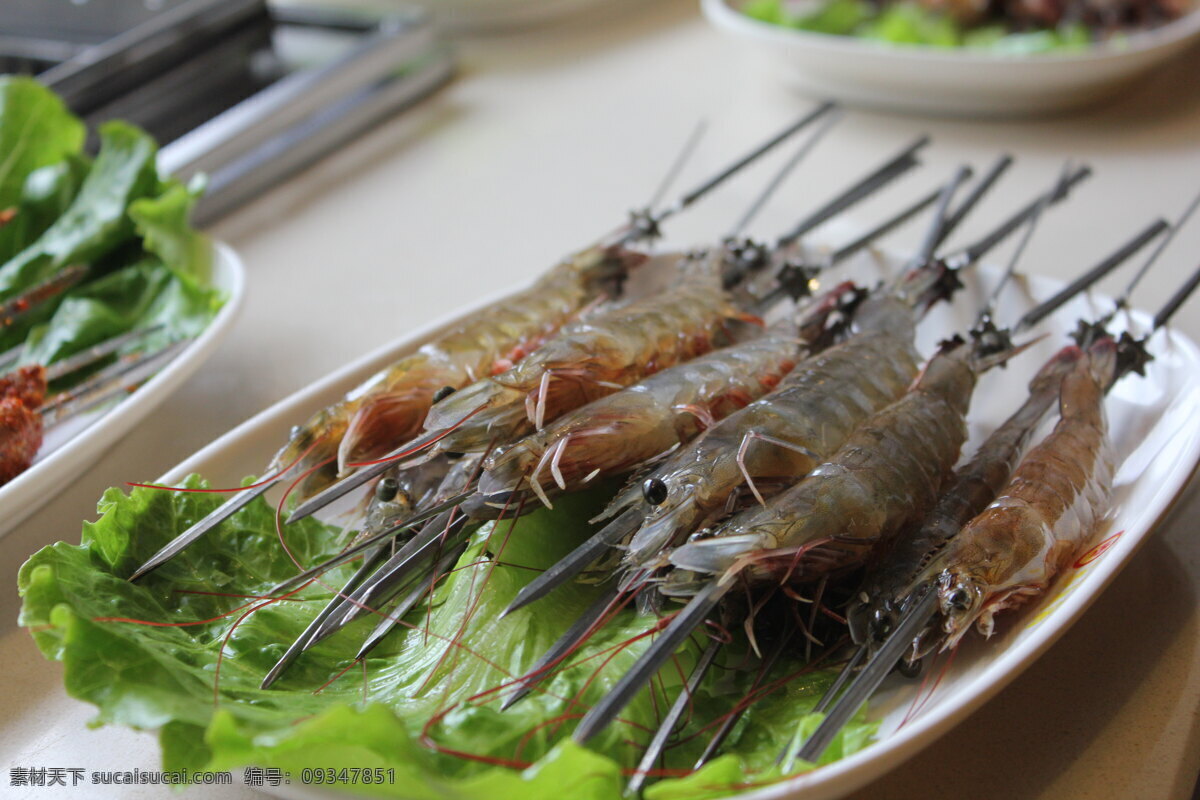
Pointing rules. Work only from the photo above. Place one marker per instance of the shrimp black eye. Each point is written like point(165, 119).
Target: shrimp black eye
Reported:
point(959, 599)
point(655, 491)
point(386, 491)
point(442, 393)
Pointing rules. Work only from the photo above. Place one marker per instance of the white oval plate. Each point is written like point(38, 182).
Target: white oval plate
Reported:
point(1155, 425)
point(953, 82)
point(80, 442)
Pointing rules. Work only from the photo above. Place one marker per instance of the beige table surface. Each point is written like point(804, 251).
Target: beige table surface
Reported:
point(544, 141)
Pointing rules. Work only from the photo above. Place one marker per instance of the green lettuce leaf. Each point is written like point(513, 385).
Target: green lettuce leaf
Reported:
point(36, 131)
point(96, 222)
point(424, 698)
point(163, 224)
point(139, 296)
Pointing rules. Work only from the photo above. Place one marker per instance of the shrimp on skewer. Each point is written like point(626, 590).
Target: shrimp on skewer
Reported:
point(816, 405)
point(880, 478)
point(413, 554)
point(886, 475)
point(530, 316)
point(1053, 501)
point(596, 356)
point(1078, 467)
point(980, 480)
point(773, 438)
point(651, 408)
point(624, 430)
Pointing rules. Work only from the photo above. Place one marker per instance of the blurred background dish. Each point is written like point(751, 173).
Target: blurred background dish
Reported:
point(953, 81)
point(71, 448)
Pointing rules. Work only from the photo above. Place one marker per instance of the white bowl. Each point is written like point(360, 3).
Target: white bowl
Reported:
point(93, 433)
point(956, 82)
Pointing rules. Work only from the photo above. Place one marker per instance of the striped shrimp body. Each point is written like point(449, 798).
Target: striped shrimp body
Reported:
point(1052, 504)
point(974, 486)
point(887, 473)
point(590, 358)
point(391, 405)
point(782, 435)
point(622, 431)
point(617, 433)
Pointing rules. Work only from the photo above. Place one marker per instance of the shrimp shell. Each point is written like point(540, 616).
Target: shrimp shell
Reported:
point(814, 410)
point(390, 406)
point(1055, 499)
point(617, 433)
point(624, 430)
point(588, 359)
point(974, 486)
point(888, 472)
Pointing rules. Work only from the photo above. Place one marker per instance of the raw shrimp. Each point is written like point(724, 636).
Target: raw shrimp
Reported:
point(591, 358)
point(887, 473)
point(624, 430)
point(1052, 504)
point(782, 435)
point(975, 485)
point(390, 406)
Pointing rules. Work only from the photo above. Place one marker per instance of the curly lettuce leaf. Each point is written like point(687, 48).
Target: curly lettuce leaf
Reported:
point(426, 695)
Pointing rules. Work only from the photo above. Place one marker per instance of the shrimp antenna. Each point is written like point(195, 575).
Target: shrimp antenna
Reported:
point(646, 223)
point(665, 644)
point(667, 726)
point(563, 646)
point(789, 166)
point(370, 561)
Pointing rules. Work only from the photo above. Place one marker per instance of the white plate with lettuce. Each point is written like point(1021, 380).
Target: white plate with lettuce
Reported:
point(404, 721)
point(147, 269)
point(911, 60)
